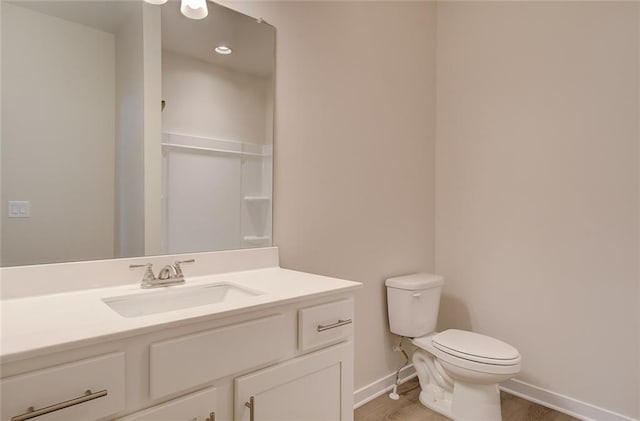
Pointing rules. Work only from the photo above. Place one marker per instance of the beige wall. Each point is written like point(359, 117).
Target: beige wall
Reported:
point(2, 222)
point(354, 150)
point(537, 204)
point(152, 64)
point(57, 138)
point(130, 132)
point(208, 100)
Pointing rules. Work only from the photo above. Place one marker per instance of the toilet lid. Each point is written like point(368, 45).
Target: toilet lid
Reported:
point(475, 347)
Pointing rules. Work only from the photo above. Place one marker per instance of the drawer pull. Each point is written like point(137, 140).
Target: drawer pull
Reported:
point(252, 408)
point(32, 413)
point(322, 328)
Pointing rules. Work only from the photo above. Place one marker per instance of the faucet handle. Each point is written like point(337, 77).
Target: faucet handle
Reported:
point(148, 274)
point(180, 262)
point(140, 266)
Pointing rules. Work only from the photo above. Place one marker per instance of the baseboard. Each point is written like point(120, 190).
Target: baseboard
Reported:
point(575, 408)
point(381, 386)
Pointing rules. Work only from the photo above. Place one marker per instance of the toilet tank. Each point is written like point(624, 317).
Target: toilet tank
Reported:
point(413, 302)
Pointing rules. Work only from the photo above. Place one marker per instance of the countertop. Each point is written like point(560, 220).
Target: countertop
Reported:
point(38, 325)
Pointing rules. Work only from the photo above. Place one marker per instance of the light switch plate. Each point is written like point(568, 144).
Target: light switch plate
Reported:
point(19, 209)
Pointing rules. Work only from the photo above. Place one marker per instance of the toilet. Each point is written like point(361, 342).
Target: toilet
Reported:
point(458, 370)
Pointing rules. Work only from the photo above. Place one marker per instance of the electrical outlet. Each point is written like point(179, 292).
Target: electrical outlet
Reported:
point(19, 209)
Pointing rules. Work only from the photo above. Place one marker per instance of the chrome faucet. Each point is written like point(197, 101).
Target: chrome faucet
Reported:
point(168, 272)
point(168, 275)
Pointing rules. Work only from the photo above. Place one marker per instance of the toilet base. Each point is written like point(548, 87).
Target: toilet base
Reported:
point(467, 403)
point(441, 406)
point(437, 387)
point(453, 398)
point(474, 402)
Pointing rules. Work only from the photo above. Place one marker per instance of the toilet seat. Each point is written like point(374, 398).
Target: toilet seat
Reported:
point(472, 351)
point(475, 347)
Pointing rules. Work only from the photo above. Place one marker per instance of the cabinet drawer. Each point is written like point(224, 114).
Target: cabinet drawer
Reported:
point(325, 324)
point(192, 360)
point(199, 406)
point(82, 390)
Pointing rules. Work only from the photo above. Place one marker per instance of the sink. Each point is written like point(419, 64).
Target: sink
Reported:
point(178, 298)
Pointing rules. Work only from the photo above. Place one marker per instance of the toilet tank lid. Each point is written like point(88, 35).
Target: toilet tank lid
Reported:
point(416, 281)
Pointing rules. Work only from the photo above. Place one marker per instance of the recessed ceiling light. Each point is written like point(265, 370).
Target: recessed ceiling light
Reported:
point(194, 9)
point(223, 49)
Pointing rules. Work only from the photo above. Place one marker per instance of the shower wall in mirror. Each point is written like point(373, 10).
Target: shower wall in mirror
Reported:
point(125, 134)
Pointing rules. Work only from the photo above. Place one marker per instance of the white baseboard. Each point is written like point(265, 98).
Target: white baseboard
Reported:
point(575, 408)
point(561, 403)
point(381, 386)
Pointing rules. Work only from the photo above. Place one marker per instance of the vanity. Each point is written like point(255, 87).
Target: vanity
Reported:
point(148, 140)
point(270, 344)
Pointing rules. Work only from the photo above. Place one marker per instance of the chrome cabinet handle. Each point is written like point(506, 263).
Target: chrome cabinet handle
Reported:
point(211, 417)
point(32, 413)
point(340, 322)
point(252, 408)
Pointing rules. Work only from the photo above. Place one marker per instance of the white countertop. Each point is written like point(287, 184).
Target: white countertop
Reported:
point(38, 325)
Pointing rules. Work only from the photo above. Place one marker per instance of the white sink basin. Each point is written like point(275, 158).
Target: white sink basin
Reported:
point(177, 298)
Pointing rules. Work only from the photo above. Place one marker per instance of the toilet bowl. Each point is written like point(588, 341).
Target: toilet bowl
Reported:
point(473, 364)
point(458, 370)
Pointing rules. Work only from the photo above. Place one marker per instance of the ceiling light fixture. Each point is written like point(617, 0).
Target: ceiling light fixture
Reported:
point(223, 49)
point(194, 9)
point(156, 1)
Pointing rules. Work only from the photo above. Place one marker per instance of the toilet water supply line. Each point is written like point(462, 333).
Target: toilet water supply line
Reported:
point(394, 394)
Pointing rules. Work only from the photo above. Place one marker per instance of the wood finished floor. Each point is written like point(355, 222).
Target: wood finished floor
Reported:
point(409, 408)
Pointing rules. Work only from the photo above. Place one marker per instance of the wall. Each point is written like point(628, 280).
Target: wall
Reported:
point(57, 114)
point(211, 101)
point(152, 64)
point(1, 217)
point(130, 132)
point(537, 203)
point(354, 144)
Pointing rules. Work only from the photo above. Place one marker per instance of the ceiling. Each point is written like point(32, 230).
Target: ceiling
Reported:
point(252, 41)
point(103, 15)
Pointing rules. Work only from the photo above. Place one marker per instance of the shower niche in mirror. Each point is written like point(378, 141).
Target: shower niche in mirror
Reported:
point(124, 132)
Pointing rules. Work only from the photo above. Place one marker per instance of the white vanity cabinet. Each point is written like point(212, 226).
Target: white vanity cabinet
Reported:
point(314, 387)
point(187, 361)
point(86, 389)
point(295, 360)
point(199, 406)
point(317, 386)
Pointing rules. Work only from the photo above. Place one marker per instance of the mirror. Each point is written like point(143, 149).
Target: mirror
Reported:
point(125, 134)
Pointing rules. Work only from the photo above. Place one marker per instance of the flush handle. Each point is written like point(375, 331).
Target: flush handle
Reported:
point(416, 294)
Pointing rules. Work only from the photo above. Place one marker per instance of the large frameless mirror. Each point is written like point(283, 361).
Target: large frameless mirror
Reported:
point(129, 129)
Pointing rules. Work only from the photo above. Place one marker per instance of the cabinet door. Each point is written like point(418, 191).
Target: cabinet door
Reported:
point(314, 387)
point(198, 406)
